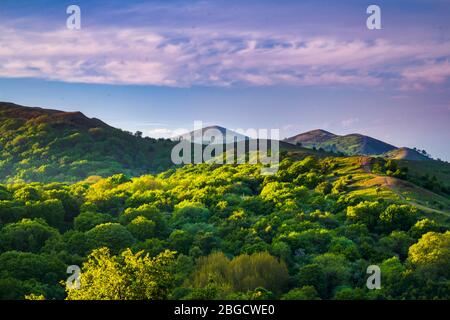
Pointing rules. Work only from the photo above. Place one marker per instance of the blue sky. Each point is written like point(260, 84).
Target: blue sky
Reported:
point(156, 66)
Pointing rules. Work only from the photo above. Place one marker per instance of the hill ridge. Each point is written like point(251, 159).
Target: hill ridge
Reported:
point(42, 115)
point(349, 144)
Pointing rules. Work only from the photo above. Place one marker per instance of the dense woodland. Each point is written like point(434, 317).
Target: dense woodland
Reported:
point(222, 231)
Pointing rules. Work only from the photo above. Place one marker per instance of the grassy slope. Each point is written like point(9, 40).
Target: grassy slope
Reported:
point(441, 170)
point(406, 154)
point(366, 184)
point(355, 144)
point(352, 144)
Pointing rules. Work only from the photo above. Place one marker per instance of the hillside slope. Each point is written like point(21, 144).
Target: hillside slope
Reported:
point(50, 145)
point(351, 144)
point(311, 137)
point(406, 154)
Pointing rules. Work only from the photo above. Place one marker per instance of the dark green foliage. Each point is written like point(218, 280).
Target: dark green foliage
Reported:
point(88, 220)
point(111, 235)
point(26, 235)
point(24, 273)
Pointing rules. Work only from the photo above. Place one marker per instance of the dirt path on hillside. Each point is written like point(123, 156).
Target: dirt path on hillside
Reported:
point(392, 183)
point(366, 165)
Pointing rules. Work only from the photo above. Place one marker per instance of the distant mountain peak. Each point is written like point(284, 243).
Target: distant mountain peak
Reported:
point(313, 136)
point(320, 131)
point(206, 135)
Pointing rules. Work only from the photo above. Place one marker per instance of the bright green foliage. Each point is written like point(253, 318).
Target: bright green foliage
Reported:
point(431, 254)
point(125, 277)
point(142, 228)
point(423, 226)
point(365, 212)
point(398, 217)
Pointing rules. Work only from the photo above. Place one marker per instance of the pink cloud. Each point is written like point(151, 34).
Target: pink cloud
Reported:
point(432, 72)
point(147, 57)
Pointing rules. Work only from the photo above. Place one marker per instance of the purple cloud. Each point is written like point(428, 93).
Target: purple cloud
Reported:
point(180, 58)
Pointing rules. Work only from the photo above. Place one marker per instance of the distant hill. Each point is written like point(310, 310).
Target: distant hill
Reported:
point(312, 137)
point(406, 154)
point(49, 116)
point(208, 134)
point(352, 144)
point(50, 145)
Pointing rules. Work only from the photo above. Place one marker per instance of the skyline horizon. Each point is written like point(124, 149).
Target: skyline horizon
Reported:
point(246, 132)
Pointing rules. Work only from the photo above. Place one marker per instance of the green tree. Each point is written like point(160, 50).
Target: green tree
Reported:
point(11, 211)
point(87, 220)
point(23, 273)
point(27, 193)
point(431, 254)
point(258, 270)
point(127, 276)
point(142, 228)
point(326, 273)
point(393, 275)
point(398, 217)
point(303, 293)
point(423, 226)
point(397, 243)
point(26, 235)
point(180, 240)
point(366, 212)
point(52, 211)
point(243, 273)
point(348, 293)
point(111, 235)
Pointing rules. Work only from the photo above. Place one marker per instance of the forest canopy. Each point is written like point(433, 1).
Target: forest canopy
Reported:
point(221, 232)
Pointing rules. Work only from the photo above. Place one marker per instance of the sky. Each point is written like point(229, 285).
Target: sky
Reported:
point(158, 66)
